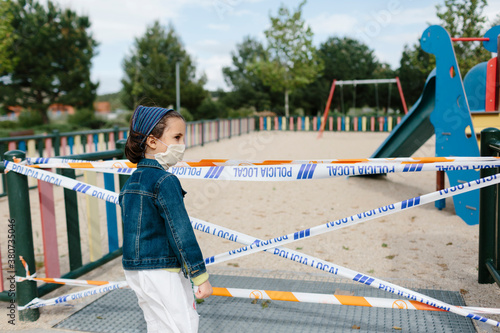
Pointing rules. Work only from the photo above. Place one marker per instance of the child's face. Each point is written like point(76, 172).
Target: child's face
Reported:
point(173, 135)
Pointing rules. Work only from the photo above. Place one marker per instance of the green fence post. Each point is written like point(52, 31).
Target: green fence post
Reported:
point(488, 219)
point(218, 129)
point(72, 223)
point(20, 217)
point(203, 133)
point(56, 143)
point(120, 144)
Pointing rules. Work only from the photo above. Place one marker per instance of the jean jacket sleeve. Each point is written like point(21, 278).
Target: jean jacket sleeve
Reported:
point(180, 233)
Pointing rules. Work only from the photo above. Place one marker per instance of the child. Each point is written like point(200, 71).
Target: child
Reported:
point(158, 239)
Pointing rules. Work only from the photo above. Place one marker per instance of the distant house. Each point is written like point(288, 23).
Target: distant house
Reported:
point(60, 109)
point(14, 111)
point(102, 107)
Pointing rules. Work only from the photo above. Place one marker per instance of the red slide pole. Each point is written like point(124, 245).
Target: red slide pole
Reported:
point(470, 39)
point(325, 114)
point(401, 95)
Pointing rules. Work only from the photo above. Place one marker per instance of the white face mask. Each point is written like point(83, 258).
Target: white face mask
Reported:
point(174, 154)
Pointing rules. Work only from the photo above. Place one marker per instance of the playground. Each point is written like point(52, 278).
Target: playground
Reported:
point(420, 248)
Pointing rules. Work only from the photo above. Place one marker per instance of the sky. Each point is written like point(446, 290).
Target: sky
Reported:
point(211, 29)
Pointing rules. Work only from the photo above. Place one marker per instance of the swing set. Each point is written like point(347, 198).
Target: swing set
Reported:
point(359, 82)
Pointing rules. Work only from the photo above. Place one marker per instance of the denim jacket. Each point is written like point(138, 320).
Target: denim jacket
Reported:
point(157, 232)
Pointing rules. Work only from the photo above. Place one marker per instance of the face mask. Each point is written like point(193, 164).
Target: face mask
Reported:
point(174, 154)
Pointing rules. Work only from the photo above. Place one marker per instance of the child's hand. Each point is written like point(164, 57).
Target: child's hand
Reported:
point(204, 290)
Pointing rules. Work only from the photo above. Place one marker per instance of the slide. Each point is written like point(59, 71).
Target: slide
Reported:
point(415, 128)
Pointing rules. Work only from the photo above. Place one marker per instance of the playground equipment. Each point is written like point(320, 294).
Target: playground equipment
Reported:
point(444, 105)
point(355, 83)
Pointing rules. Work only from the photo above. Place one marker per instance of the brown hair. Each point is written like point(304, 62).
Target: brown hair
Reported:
point(136, 142)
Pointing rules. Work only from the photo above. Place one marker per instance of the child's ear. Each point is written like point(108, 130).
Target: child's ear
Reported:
point(151, 142)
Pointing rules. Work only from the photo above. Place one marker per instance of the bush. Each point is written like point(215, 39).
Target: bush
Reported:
point(8, 124)
point(86, 118)
point(186, 114)
point(241, 112)
point(29, 119)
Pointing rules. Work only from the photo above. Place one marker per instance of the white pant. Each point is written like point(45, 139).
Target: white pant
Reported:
point(166, 299)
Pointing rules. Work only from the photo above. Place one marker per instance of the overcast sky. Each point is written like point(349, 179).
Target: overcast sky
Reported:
point(210, 29)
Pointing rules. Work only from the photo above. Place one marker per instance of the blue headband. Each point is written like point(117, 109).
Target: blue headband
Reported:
point(145, 119)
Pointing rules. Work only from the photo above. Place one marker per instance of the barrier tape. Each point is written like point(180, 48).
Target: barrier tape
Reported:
point(357, 218)
point(123, 163)
point(247, 293)
point(292, 171)
point(71, 282)
point(374, 302)
point(63, 181)
point(262, 245)
point(38, 303)
point(345, 272)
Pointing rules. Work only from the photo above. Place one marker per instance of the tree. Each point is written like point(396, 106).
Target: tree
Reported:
point(150, 71)
point(7, 57)
point(415, 66)
point(464, 19)
point(54, 50)
point(344, 59)
point(248, 90)
point(461, 18)
point(291, 60)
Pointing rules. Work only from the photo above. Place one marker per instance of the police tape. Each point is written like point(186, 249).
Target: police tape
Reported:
point(362, 217)
point(358, 218)
point(71, 282)
point(342, 271)
point(55, 162)
point(288, 172)
point(38, 303)
point(373, 302)
point(63, 181)
point(227, 233)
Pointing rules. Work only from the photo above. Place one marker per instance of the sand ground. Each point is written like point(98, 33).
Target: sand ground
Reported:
point(420, 247)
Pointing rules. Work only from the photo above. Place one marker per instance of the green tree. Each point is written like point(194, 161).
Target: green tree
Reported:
point(150, 71)
point(464, 18)
point(461, 18)
point(247, 87)
point(7, 57)
point(291, 60)
point(54, 50)
point(344, 59)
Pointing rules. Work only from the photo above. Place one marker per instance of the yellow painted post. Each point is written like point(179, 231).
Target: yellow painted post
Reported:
point(283, 123)
point(78, 148)
point(93, 223)
point(269, 125)
point(389, 123)
point(31, 147)
point(306, 124)
point(347, 124)
point(363, 124)
point(101, 142)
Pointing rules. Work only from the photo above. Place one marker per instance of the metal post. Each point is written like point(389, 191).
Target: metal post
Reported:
point(178, 86)
point(20, 217)
point(56, 143)
point(488, 211)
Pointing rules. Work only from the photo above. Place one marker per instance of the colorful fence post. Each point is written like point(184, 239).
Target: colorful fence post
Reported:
point(20, 217)
point(489, 233)
point(72, 223)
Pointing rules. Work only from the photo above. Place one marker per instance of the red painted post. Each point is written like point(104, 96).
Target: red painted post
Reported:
point(470, 39)
point(49, 230)
point(403, 101)
point(325, 114)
